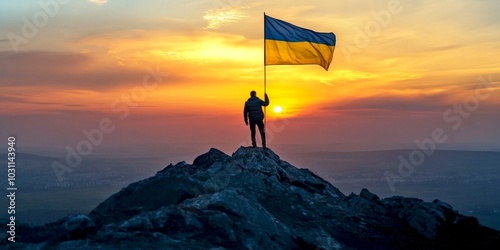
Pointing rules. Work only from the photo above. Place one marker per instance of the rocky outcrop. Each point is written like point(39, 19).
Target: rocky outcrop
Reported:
point(255, 200)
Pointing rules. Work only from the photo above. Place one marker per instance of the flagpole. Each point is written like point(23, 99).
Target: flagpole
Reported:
point(265, 75)
point(265, 80)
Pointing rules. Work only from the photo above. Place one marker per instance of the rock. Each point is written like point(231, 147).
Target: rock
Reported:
point(427, 218)
point(212, 156)
point(369, 196)
point(78, 226)
point(144, 196)
point(254, 200)
point(252, 222)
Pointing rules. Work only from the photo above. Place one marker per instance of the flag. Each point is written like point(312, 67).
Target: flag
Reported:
point(290, 44)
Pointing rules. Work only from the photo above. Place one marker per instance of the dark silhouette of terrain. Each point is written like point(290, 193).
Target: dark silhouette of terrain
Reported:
point(254, 200)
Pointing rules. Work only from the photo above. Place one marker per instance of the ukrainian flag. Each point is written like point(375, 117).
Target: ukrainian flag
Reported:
point(290, 44)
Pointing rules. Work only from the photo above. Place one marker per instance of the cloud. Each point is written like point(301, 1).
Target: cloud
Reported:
point(178, 51)
point(98, 2)
point(442, 48)
point(23, 99)
point(437, 102)
point(412, 101)
point(218, 18)
point(62, 71)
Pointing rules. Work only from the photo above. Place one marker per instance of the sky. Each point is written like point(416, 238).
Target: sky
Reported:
point(174, 75)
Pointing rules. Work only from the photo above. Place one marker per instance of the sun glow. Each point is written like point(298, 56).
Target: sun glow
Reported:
point(278, 109)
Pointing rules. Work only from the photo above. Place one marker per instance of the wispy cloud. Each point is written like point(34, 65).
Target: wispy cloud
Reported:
point(221, 17)
point(98, 2)
point(392, 102)
point(62, 71)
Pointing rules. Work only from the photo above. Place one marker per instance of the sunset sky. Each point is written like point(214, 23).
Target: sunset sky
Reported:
point(176, 73)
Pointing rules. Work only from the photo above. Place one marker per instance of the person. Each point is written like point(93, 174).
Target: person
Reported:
point(253, 114)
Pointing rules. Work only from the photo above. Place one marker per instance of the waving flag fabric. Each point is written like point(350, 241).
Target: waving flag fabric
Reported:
point(290, 44)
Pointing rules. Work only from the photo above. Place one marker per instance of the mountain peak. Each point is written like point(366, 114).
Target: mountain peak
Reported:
point(254, 200)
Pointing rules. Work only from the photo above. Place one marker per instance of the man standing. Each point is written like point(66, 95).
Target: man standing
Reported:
point(253, 112)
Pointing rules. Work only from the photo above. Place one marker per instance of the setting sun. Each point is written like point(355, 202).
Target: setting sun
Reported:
point(278, 109)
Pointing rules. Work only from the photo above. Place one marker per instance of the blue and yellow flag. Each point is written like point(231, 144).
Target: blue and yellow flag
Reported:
point(290, 44)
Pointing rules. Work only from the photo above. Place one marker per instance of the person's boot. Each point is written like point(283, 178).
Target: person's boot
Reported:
point(264, 145)
point(254, 144)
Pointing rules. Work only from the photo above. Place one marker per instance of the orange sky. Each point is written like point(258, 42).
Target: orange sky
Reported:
point(397, 68)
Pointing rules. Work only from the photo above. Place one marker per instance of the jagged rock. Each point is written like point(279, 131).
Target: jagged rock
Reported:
point(255, 200)
point(369, 196)
point(242, 215)
point(211, 157)
point(78, 226)
point(427, 218)
point(146, 195)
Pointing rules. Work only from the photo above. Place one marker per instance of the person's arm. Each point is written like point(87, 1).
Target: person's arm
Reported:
point(266, 102)
point(245, 114)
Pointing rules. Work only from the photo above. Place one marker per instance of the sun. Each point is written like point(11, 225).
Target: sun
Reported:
point(278, 109)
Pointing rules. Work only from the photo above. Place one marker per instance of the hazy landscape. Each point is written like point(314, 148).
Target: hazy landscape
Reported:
point(468, 180)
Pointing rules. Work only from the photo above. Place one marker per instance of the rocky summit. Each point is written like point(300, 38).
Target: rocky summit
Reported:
point(255, 200)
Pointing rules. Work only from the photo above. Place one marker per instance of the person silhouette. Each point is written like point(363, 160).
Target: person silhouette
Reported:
point(253, 113)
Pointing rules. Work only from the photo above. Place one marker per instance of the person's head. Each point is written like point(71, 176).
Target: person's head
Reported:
point(253, 93)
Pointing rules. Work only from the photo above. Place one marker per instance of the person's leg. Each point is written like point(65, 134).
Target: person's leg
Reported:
point(262, 131)
point(252, 133)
